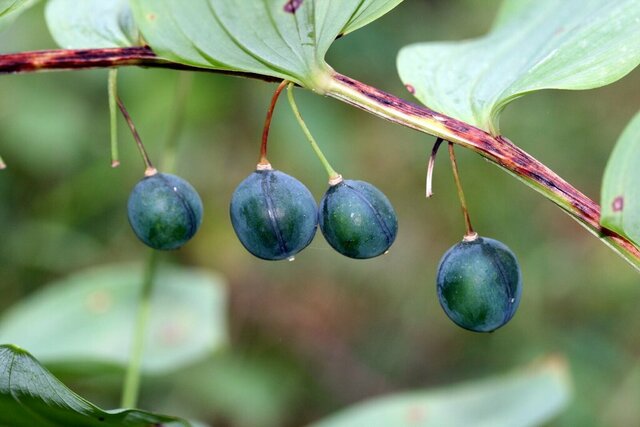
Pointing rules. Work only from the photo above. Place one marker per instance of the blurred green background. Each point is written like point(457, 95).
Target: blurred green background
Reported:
point(315, 335)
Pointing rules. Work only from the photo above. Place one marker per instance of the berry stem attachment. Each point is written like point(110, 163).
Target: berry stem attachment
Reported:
point(113, 112)
point(267, 124)
point(150, 169)
point(131, 387)
point(3, 165)
point(430, 167)
point(334, 177)
point(470, 235)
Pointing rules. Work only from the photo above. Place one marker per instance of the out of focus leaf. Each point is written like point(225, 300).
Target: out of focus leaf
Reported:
point(31, 396)
point(91, 23)
point(620, 198)
point(89, 317)
point(526, 398)
point(11, 9)
point(286, 39)
point(534, 45)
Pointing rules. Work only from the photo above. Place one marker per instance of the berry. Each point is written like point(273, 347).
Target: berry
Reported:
point(357, 219)
point(273, 214)
point(164, 211)
point(479, 284)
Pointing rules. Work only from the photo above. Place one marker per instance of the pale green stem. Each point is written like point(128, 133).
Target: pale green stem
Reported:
point(131, 387)
point(113, 116)
point(333, 175)
point(183, 88)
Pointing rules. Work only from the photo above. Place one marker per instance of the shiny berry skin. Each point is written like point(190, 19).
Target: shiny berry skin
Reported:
point(165, 211)
point(479, 284)
point(357, 219)
point(273, 214)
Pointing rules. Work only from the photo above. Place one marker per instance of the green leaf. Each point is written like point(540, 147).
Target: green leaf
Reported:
point(31, 396)
point(286, 39)
point(620, 198)
point(91, 23)
point(89, 317)
point(527, 398)
point(11, 9)
point(534, 45)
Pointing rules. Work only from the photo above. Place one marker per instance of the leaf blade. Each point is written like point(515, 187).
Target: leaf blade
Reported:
point(30, 395)
point(620, 195)
point(91, 23)
point(533, 45)
point(526, 398)
point(89, 317)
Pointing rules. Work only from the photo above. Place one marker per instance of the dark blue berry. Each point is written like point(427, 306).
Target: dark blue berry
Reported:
point(165, 211)
point(273, 214)
point(357, 219)
point(479, 284)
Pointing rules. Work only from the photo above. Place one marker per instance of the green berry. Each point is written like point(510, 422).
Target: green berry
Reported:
point(165, 211)
point(479, 284)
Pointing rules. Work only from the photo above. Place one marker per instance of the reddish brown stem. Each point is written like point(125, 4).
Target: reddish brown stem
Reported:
point(149, 169)
point(267, 123)
point(495, 148)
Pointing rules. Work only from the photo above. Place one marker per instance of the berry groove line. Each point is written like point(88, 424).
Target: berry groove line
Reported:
point(495, 148)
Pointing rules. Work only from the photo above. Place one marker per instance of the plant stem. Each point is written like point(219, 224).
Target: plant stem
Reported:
point(379, 103)
point(267, 123)
point(431, 166)
point(463, 201)
point(131, 387)
point(334, 177)
point(150, 170)
point(113, 112)
point(183, 88)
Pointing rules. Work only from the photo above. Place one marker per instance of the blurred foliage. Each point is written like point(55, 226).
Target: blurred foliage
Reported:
point(312, 336)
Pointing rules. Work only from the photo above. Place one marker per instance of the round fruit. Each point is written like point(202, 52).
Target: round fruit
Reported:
point(479, 284)
point(357, 219)
point(165, 211)
point(273, 214)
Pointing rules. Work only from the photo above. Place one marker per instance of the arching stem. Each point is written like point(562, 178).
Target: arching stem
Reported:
point(430, 167)
point(150, 170)
point(334, 177)
point(470, 234)
point(267, 124)
point(113, 112)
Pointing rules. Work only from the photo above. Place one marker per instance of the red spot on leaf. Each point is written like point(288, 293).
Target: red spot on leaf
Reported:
point(151, 17)
point(410, 88)
point(618, 204)
point(292, 5)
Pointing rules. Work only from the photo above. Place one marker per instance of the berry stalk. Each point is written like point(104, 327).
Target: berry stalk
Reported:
point(113, 112)
point(263, 162)
point(334, 177)
point(150, 169)
point(470, 234)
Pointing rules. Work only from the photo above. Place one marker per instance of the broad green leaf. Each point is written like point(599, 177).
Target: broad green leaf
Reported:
point(89, 317)
point(30, 396)
point(620, 198)
point(527, 398)
point(287, 39)
point(91, 23)
point(11, 9)
point(534, 45)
